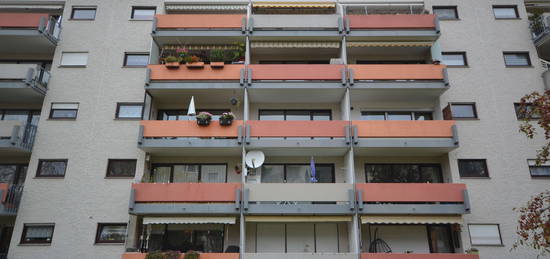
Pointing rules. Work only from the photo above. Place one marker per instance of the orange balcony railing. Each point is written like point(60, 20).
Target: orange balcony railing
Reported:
point(22, 20)
point(385, 22)
point(322, 72)
point(412, 192)
point(185, 192)
point(404, 129)
point(202, 256)
point(199, 21)
point(278, 129)
point(159, 129)
point(398, 72)
point(228, 72)
point(417, 256)
point(4, 187)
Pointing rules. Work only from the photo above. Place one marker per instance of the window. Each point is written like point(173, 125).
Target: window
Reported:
point(455, 59)
point(129, 110)
point(121, 167)
point(64, 111)
point(189, 173)
point(25, 116)
point(74, 59)
point(505, 11)
point(37, 234)
point(136, 60)
point(13, 173)
point(143, 13)
point(473, 168)
point(403, 173)
point(396, 115)
point(51, 168)
point(460, 111)
point(83, 13)
point(110, 233)
point(175, 115)
point(520, 113)
point(290, 115)
point(542, 170)
point(296, 173)
point(517, 59)
point(204, 238)
point(446, 12)
point(484, 234)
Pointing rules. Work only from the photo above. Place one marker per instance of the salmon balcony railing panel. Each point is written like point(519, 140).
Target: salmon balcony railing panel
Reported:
point(22, 20)
point(391, 21)
point(185, 192)
point(228, 72)
point(412, 192)
point(278, 129)
point(417, 256)
point(404, 129)
point(199, 21)
point(321, 72)
point(398, 72)
point(157, 129)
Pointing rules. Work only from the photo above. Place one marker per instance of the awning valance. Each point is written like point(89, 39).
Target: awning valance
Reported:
point(188, 220)
point(298, 218)
point(200, 47)
point(292, 44)
point(209, 7)
point(32, 7)
point(382, 219)
point(293, 5)
point(388, 44)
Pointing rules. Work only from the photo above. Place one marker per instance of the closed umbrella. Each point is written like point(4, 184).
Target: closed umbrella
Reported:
point(313, 178)
point(191, 110)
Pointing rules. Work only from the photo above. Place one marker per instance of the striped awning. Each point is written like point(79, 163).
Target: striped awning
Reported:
point(298, 218)
point(188, 220)
point(200, 47)
point(383, 219)
point(388, 44)
point(293, 5)
point(209, 7)
point(293, 44)
point(32, 7)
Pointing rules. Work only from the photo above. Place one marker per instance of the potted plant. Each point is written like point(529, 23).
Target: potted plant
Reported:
point(227, 118)
point(172, 62)
point(217, 57)
point(472, 251)
point(193, 62)
point(239, 53)
point(191, 255)
point(204, 118)
point(163, 255)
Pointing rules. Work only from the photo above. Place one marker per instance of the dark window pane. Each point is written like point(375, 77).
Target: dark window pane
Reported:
point(129, 110)
point(440, 239)
point(138, 60)
point(446, 13)
point(463, 111)
point(298, 173)
point(324, 173)
point(208, 239)
point(423, 116)
point(526, 109)
point(83, 13)
point(38, 234)
point(11, 115)
point(373, 116)
point(111, 233)
point(472, 168)
point(143, 13)
point(272, 115)
point(52, 168)
point(321, 115)
point(403, 173)
point(63, 114)
point(399, 116)
point(7, 173)
point(517, 59)
point(121, 168)
point(538, 171)
point(272, 174)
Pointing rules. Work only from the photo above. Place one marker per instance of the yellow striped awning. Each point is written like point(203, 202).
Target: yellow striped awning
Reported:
point(383, 219)
point(298, 218)
point(188, 220)
point(200, 47)
point(388, 44)
point(293, 5)
point(294, 44)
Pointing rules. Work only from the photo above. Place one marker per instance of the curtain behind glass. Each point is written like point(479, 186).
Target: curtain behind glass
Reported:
point(213, 173)
point(161, 174)
point(186, 173)
point(298, 173)
point(403, 173)
point(272, 173)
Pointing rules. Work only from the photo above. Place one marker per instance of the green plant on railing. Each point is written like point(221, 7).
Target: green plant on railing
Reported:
point(191, 255)
point(171, 59)
point(239, 53)
point(163, 255)
point(217, 55)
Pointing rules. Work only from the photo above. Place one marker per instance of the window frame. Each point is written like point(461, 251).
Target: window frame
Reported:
point(107, 175)
point(154, 8)
point(100, 226)
point(531, 164)
point(470, 160)
point(126, 54)
point(526, 53)
point(311, 112)
point(26, 226)
point(454, 7)
point(474, 109)
point(413, 113)
point(76, 8)
point(462, 53)
point(171, 165)
point(117, 112)
point(517, 108)
point(51, 117)
point(74, 52)
point(485, 224)
point(302, 164)
point(39, 168)
point(515, 7)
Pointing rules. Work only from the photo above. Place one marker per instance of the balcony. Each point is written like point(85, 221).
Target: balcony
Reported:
point(202, 256)
point(188, 198)
point(404, 137)
point(36, 33)
point(286, 137)
point(412, 198)
point(296, 76)
point(281, 25)
point(298, 199)
point(11, 196)
point(167, 137)
point(541, 36)
point(23, 83)
point(16, 138)
point(417, 256)
point(168, 27)
point(230, 76)
point(404, 27)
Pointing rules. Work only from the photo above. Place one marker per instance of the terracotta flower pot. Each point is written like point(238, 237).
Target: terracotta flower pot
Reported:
point(217, 64)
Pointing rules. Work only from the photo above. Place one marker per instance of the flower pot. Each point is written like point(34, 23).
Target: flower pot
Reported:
point(172, 65)
point(195, 65)
point(217, 64)
point(203, 122)
point(226, 122)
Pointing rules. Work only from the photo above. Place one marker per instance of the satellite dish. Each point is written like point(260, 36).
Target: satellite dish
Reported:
point(254, 159)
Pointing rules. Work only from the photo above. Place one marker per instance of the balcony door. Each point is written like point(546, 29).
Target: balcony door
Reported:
point(297, 237)
point(403, 173)
point(296, 173)
point(189, 173)
point(440, 239)
point(295, 115)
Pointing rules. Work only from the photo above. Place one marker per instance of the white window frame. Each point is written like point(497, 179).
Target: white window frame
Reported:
point(484, 225)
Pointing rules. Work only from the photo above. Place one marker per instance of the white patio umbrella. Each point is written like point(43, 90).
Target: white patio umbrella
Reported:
point(191, 110)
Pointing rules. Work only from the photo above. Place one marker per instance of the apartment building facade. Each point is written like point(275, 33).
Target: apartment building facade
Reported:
point(404, 111)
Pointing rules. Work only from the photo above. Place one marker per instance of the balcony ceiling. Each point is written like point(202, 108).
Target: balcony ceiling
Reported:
point(197, 40)
point(19, 94)
point(181, 98)
point(281, 95)
point(303, 151)
point(26, 44)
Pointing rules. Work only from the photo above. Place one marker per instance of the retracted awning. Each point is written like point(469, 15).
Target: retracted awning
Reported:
point(382, 219)
point(32, 7)
point(388, 44)
point(293, 5)
point(210, 7)
point(188, 220)
point(298, 218)
point(200, 47)
point(292, 44)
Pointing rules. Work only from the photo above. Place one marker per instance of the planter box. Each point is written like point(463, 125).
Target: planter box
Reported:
point(195, 65)
point(226, 122)
point(203, 122)
point(217, 64)
point(172, 65)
